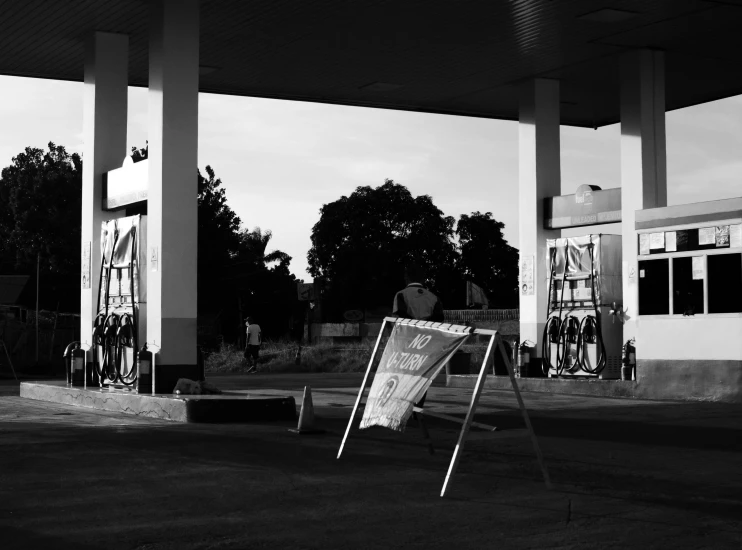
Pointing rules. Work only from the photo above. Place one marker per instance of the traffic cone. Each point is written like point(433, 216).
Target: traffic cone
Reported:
point(306, 416)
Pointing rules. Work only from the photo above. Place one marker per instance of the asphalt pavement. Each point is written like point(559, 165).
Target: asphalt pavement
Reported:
point(626, 473)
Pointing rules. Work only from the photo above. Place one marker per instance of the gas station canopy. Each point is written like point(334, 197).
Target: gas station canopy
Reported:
point(461, 58)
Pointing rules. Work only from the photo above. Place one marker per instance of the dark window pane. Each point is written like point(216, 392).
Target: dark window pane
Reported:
point(725, 283)
point(654, 287)
point(687, 292)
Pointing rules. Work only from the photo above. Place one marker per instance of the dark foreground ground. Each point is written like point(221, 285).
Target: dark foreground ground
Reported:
point(628, 474)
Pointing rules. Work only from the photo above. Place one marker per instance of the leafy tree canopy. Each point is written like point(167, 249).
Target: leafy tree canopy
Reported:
point(41, 194)
point(361, 242)
point(40, 206)
point(487, 259)
point(40, 214)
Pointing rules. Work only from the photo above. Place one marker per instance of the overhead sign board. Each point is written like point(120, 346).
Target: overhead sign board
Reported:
point(589, 206)
point(126, 185)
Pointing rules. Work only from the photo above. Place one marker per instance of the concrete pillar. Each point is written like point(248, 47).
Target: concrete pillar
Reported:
point(104, 135)
point(643, 159)
point(173, 187)
point(539, 176)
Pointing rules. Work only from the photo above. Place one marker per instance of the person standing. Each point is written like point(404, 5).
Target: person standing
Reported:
point(415, 301)
point(252, 348)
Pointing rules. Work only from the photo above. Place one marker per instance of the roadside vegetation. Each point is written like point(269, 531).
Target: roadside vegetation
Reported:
point(281, 356)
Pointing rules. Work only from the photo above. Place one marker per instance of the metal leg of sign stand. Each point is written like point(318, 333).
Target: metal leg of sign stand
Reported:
point(363, 387)
point(469, 417)
point(10, 362)
point(526, 418)
point(450, 418)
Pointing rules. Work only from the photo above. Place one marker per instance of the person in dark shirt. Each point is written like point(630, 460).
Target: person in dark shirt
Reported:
point(415, 301)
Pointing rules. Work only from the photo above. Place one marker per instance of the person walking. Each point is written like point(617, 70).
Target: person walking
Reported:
point(252, 347)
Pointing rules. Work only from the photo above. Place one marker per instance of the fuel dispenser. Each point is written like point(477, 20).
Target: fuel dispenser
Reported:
point(581, 338)
point(120, 325)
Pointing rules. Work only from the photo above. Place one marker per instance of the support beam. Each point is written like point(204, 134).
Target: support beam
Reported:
point(643, 160)
point(104, 135)
point(173, 187)
point(539, 177)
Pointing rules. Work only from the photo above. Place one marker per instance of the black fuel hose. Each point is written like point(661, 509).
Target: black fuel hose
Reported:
point(569, 322)
point(125, 338)
point(602, 358)
point(550, 320)
point(590, 323)
point(552, 325)
point(110, 328)
point(98, 343)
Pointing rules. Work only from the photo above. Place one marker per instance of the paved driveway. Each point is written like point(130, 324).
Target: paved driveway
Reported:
point(628, 474)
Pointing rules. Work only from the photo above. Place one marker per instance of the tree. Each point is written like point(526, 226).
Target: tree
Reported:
point(361, 243)
point(40, 212)
point(235, 274)
point(487, 259)
point(252, 247)
point(264, 286)
point(218, 239)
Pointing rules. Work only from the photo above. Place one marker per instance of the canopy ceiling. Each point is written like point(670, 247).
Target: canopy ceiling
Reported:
point(463, 57)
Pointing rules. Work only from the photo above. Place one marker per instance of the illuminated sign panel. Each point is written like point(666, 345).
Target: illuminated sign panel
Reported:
point(589, 206)
point(126, 185)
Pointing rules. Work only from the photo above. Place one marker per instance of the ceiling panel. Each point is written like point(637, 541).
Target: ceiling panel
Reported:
point(464, 58)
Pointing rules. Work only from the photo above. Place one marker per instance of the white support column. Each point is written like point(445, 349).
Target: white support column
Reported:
point(643, 160)
point(539, 177)
point(105, 106)
point(173, 187)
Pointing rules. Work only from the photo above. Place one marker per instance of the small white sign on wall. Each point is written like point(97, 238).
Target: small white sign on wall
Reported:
point(699, 268)
point(706, 236)
point(735, 236)
point(527, 275)
point(671, 241)
point(656, 240)
point(644, 243)
point(86, 246)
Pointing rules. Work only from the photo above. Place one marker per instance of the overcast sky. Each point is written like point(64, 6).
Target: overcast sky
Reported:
point(280, 161)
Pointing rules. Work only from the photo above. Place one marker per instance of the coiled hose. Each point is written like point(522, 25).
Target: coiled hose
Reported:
point(594, 323)
point(125, 338)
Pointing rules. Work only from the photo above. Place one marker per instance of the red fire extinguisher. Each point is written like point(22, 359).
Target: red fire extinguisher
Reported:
point(628, 360)
point(524, 359)
point(144, 374)
point(78, 367)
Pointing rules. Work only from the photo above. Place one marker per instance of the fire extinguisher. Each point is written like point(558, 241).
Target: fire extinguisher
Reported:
point(524, 359)
point(628, 360)
point(68, 367)
point(144, 367)
point(78, 367)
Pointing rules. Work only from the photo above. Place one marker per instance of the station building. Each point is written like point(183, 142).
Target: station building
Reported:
point(675, 272)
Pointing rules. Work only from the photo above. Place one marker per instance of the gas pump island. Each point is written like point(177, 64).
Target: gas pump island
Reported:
point(118, 356)
point(582, 335)
point(584, 289)
point(119, 328)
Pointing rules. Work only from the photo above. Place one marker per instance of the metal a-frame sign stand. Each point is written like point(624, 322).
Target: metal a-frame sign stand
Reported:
point(495, 340)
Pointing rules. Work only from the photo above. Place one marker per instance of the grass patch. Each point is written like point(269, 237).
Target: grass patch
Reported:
point(281, 357)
